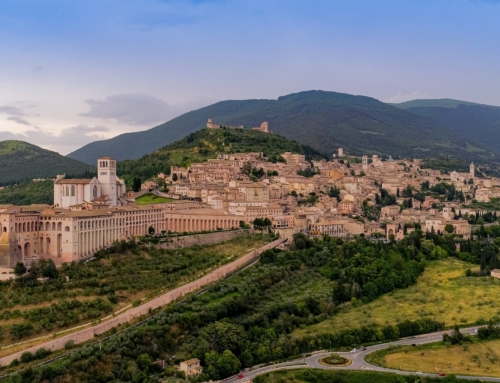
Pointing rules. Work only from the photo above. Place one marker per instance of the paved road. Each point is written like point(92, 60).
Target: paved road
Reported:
point(358, 359)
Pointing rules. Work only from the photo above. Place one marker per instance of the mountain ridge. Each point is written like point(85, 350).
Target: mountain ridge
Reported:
point(437, 102)
point(323, 120)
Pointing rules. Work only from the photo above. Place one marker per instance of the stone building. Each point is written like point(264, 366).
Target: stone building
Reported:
point(191, 367)
point(70, 192)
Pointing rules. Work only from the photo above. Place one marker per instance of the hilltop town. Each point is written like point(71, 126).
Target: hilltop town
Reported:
point(343, 197)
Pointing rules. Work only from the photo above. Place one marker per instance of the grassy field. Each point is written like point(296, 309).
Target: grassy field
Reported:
point(442, 293)
point(317, 376)
point(477, 358)
point(150, 198)
point(101, 287)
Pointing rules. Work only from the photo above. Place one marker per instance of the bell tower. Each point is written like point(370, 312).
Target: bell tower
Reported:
point(365, 162)
point(106, 174)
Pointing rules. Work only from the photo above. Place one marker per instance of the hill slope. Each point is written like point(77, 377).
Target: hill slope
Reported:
point(323, 120)
point(205, 144)
point(439, 102)
point(20, 161)
point(477, 122)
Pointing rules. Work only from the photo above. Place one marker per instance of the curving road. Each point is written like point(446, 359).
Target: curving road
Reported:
point(358, 359)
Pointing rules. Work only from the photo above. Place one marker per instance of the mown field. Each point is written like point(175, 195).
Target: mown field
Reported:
point(442, 293)
point(479, 358)
point(117, 279)
point(149, 199)
point(322, 376)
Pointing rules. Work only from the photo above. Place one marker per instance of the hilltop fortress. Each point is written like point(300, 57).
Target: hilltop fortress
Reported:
point(264, 127)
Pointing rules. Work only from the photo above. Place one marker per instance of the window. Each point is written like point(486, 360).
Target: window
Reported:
point(94, 192)
point(67, 191)
point(72, 190)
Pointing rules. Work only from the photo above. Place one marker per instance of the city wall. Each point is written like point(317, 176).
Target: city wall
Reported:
point(127, 316)
point(203, 239)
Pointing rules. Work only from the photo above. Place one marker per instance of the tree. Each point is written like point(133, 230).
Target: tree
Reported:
point(136, 184)
point(224, 336)
point(455, 337)
point(228, 364)
point(151, 230)
point(144, 361)
point(49, 269)
point(268, 256)
point(449, 228)
point(246, 358)
point(19, 269)
point(174, 177)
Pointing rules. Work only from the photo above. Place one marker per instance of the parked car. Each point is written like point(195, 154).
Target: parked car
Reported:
point(241, 376)
point(442, 374)
point(419, 372)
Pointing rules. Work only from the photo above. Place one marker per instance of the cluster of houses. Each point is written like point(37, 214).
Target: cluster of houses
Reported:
point(295, 195)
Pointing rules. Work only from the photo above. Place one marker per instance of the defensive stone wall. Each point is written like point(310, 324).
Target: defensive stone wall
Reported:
point(127, 316)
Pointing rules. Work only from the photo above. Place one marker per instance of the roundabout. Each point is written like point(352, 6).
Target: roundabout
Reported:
point(335, 360)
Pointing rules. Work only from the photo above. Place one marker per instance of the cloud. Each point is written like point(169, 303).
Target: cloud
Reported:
point(131, 109)
point(74, 136)
point(19, 120)
point(12, 110)
point(17, 113)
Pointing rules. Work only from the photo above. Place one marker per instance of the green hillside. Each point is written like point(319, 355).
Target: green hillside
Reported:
point(322, 120)
point(28, 193)
point(205, 144)
point(438, 102)
point(22, 161)
point(480, 123)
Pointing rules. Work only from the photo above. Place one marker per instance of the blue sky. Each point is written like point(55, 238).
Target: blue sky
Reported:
point(75, 71)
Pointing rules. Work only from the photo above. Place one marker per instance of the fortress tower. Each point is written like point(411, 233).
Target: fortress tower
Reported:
point(106, 174)
point(341, 152)
point(365, 162)
point(472, 169)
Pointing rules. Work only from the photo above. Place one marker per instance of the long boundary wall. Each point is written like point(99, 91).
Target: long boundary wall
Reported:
point(127, 316)
point(204, 239)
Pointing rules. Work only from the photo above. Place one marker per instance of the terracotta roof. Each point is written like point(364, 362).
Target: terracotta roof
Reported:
point(73, 181)
point(105, 158)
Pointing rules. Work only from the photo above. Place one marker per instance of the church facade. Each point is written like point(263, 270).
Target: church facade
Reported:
point(104, 190)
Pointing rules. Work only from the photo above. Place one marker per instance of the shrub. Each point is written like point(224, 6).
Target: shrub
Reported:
point(26, 357)
point(69, 344)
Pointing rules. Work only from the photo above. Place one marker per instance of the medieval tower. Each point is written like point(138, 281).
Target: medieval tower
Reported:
point(106, 174)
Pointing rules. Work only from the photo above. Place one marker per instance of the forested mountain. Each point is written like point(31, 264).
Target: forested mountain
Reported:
point(437, 102)
point(21, 161)
point(476, 122)
point(205, 144)
point(322, 120)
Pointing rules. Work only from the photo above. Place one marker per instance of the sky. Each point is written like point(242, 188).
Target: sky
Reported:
point(72, 72)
